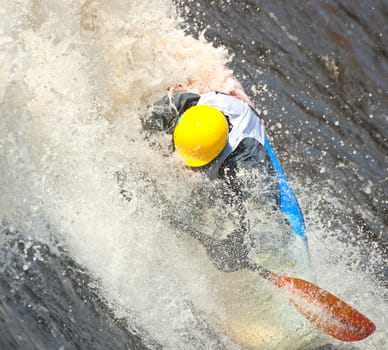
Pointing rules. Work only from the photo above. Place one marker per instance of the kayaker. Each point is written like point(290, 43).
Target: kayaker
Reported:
point(219, 134)
point(216, 132)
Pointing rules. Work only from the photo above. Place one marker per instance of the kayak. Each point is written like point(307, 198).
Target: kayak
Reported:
point(289, 206)
point(257, 316)
point(258, 319)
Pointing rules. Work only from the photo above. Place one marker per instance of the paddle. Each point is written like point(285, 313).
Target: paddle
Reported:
point(323, 309)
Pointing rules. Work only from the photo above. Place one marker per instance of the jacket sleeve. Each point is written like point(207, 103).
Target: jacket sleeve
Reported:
point(251, 156)
point(166, 111)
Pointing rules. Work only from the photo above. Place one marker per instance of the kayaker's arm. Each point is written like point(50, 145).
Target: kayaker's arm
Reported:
point(167, 110)
point(251, 157)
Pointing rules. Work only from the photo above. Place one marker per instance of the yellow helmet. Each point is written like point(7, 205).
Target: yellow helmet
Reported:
point(200, 135)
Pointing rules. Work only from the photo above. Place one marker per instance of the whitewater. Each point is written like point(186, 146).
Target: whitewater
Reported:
point(79, 175)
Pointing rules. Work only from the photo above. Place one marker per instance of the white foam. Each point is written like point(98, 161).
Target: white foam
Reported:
point(76, 78)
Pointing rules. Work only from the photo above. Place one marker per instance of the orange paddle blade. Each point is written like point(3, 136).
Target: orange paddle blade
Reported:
point(325, 310)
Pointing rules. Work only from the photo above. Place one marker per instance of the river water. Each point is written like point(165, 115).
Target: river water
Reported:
point(86, 261)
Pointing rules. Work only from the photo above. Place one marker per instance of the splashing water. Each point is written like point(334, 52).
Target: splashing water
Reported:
point(76, 170)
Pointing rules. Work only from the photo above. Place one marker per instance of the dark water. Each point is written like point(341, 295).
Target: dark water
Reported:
point(322, 74)
point(53, 304)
